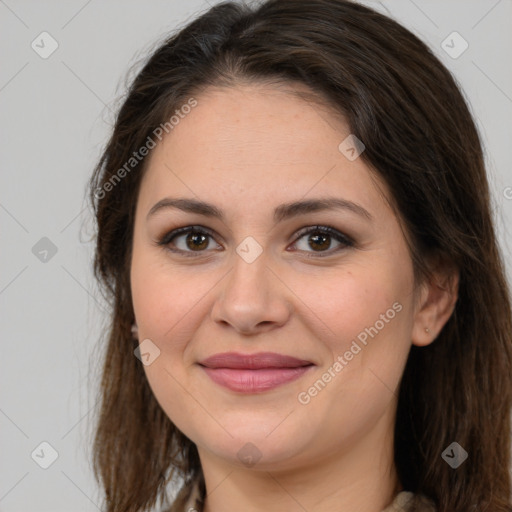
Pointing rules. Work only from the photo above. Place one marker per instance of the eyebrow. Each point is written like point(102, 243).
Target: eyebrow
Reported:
point(282, 212)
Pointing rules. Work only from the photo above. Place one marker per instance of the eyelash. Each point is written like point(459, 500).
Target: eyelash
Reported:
point(325, 230)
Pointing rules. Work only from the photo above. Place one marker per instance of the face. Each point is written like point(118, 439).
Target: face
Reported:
point(330, 285)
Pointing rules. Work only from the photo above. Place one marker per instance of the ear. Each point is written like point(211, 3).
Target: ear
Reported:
point(435, 303)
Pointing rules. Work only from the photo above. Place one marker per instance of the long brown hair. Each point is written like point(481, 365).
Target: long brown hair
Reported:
point(421, 139)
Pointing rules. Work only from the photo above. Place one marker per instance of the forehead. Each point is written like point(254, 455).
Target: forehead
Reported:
point(256, 143)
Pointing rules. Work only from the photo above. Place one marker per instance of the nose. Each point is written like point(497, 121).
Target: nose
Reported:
point(252, 298)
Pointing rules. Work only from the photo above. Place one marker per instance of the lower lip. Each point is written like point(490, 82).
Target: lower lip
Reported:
point(254, 381)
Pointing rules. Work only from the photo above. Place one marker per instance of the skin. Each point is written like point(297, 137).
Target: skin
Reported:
point(335, 452)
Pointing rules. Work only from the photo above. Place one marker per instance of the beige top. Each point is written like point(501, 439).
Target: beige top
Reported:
point(399, 504)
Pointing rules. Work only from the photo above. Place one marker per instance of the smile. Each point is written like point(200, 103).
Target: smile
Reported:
point(254, 373)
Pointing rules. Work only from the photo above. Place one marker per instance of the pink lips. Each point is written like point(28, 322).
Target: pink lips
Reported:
point(254, 373)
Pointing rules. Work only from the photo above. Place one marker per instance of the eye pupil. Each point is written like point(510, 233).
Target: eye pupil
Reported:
point(321, 239)
point(193, 237)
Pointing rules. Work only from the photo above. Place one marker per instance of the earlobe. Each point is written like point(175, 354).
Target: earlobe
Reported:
point(436, 305)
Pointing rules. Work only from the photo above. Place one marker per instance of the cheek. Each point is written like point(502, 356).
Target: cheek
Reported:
point(346, 303)
point(163, 300)
point(153, 288)
point(363, 316)
point(364, 322)
point(164, 310)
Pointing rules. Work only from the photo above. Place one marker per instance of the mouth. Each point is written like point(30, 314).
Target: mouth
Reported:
point(254, 373)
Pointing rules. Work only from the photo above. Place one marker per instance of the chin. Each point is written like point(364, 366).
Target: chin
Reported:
point(254, 448)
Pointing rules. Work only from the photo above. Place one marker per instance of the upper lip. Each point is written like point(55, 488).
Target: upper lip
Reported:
point(253, 361)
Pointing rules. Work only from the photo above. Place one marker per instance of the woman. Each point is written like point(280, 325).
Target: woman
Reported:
point(309, 305)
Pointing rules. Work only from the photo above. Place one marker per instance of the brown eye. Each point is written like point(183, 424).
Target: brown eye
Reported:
point(319, 239)
point(196, 241)
point(188, 240)
point(319, 242)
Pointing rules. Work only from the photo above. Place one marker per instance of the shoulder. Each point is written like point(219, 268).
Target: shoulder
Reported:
point(193, 503)
point(402, 503)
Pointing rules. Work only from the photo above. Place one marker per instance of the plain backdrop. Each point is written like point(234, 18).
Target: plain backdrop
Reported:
point(56, 114)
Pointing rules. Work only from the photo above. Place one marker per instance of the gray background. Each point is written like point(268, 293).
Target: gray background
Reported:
point(56, 115)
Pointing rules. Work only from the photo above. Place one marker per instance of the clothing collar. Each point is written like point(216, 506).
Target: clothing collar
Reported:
point(399, 504)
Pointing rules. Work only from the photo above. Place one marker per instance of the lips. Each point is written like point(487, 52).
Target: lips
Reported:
point(252, 373)
point(253, 361)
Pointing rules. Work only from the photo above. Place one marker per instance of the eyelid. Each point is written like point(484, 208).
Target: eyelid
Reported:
point(166, 239)
point(325, 228)
point(342, 238)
